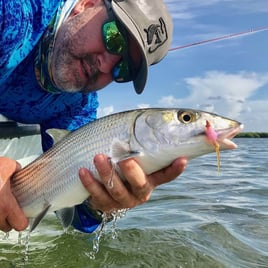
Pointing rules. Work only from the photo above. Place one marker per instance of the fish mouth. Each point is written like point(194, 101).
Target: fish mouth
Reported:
point(225, 136)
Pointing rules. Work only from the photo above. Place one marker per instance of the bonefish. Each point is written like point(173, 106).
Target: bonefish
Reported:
point(154, 137)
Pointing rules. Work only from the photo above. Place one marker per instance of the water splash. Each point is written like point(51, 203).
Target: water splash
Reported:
point(20, 238)
point(6, 236)
point(26, 247)
point(116, 216)
point(106, 218)
point(110, 182)
point(96, 240)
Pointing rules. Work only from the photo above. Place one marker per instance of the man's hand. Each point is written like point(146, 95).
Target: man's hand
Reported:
point(135, 191)
point(11, 215)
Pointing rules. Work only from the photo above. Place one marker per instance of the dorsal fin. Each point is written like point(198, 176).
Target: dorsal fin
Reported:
point(57, 134)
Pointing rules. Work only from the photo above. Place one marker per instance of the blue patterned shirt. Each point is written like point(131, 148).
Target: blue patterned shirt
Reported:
point(21, 98)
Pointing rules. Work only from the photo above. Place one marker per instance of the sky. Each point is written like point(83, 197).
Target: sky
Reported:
point(229, 77)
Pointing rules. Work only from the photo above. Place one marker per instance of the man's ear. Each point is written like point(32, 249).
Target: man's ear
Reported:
point(83, 5)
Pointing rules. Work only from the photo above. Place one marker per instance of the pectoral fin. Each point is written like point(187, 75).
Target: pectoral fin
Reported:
point(121, 151)
point(66, 216)
point(39, 217)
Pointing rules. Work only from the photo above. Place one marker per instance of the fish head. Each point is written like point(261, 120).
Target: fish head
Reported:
point(183, 132)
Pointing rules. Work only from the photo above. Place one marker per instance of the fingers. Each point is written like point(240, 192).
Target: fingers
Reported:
point(16, 218)
point(137, 188)
point(113, 183)
point(11, 215)
point(7, 168)
point(140, 186)
point(4, 225)
point(99, 197)
point(106, 196)
point(169, 173)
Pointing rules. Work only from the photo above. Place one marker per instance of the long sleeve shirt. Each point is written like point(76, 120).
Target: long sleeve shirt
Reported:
point(21, 97)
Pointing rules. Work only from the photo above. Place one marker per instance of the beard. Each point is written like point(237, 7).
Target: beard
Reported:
point(68, 69)
point(68, 77)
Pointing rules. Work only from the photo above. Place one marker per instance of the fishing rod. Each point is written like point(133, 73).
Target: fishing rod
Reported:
point(219, 38)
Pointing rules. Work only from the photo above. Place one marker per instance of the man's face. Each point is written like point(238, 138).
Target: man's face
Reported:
point(80, 61)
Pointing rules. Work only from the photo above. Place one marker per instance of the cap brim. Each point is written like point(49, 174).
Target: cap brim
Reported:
point(140, 80)
point(141, 77)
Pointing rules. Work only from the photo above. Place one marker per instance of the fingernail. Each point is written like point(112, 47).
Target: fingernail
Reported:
point(82, 172)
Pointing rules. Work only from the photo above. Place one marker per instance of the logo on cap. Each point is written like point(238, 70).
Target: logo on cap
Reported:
point(156, 35)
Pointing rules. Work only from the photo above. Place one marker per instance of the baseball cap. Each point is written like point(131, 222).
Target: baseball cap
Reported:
point(150, 24)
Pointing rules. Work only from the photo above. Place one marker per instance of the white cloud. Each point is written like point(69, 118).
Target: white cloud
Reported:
point(254, 118)
point(169, 101)
point(190, 9)
point(224, 93)
point(105, 111)
point(238, 86)
point(249, 6)
point(143, 105)
point(193, 18)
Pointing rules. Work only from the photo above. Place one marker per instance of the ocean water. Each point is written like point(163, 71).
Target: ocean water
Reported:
point(202, 219)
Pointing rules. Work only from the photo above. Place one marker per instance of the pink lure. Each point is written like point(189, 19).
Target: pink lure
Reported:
point(212, 138)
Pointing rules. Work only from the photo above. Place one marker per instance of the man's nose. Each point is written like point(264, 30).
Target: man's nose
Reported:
point(106, 61)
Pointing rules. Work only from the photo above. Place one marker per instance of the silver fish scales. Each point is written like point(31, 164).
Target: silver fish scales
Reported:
point(154, 137)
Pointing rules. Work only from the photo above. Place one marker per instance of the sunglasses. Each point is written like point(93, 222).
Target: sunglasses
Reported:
point(115, 42)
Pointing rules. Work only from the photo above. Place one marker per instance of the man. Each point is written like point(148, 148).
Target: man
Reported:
point(54, 56)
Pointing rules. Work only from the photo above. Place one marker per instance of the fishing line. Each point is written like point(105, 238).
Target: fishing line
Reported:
point(219, 38)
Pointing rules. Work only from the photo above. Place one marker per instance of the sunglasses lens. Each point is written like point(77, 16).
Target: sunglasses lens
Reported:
point(121, 72)
point(113, 39)
point(115, 43)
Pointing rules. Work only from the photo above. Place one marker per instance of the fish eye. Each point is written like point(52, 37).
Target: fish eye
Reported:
point(186, 117)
